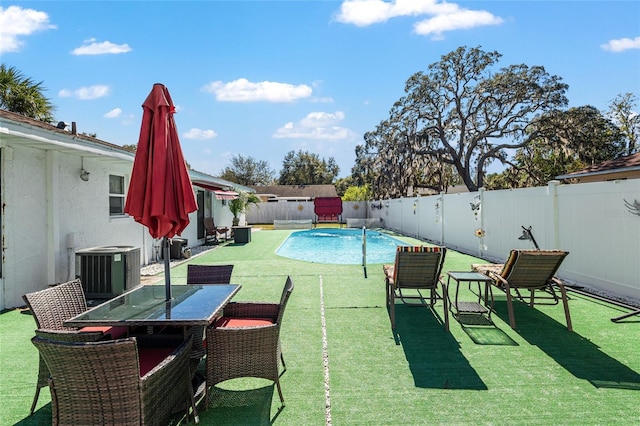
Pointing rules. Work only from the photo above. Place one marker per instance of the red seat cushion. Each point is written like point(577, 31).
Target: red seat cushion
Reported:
point(150, 357)
point(231, 322)
point(113, 332)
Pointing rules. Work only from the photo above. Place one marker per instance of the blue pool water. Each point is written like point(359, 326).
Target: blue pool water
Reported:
point(339, 246)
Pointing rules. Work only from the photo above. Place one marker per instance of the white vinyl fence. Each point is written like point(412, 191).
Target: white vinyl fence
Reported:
point(598, 223)
point(266, 213)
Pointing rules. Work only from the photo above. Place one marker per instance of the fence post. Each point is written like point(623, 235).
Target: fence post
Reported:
point(481, 246)
point(442, 218)
point(552, 190)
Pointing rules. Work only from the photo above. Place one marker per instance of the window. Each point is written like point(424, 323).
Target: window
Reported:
point(116, 195)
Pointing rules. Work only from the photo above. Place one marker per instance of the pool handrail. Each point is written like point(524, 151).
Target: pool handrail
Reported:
point(364, 250)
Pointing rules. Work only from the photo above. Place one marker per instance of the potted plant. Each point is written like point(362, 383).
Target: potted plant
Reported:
point(239, 205)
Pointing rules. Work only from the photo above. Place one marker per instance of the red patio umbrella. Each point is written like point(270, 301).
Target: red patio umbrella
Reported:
point(160, 193)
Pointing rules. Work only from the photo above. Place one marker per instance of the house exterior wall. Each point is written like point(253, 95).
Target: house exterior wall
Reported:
point(48, 212)
point(25, 233)
point(628, 174)
point(222, 216)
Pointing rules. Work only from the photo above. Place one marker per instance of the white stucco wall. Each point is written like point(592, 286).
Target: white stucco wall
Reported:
point(46, 201)
point(24, 229)
point(49, 208)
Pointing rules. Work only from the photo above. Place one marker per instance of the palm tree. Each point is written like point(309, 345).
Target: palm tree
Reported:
point(23, 96)
point(239, 205)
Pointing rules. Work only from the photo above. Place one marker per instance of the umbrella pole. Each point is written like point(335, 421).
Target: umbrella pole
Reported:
point(167, 268)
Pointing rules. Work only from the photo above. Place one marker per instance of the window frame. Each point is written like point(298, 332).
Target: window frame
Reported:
point(117, 196)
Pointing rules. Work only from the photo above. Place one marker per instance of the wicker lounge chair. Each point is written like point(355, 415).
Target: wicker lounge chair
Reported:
point(116, 382)
point(245, 342)
point(533, 270)
point(416, 268)
point(205, 274)
point(54, 305)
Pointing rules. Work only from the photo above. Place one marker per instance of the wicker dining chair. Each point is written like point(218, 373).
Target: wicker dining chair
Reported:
point(205, 274)
point(50, 308)
point(116, 382)
point(245, 342)
point(61, 336)
point(209, 274)
point(416, 268)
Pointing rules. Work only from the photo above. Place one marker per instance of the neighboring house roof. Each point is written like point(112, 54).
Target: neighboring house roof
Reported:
point(457, 189)
point(621, 164)
point(295, 191)
point(29, 132)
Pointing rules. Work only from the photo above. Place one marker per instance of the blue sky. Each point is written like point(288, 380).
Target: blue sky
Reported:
point(262, 78)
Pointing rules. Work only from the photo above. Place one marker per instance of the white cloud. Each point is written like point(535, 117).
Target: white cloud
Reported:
point(444, 16)
point(114, 113)
point(91, 47)
point(463, 19)
point(85, 93)
point(200, 134)
point(316, 125)
point(243, 90)
point(367, 12)
point(321, 119)
point(621, 44)
point(16, 22)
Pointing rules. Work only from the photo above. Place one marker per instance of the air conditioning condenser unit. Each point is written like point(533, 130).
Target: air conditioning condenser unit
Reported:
point(108, 271)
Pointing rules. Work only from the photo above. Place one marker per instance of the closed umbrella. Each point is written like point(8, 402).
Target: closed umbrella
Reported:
point(160, 192)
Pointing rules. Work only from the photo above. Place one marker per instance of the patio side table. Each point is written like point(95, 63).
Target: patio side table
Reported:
point(241, 234)
point(459, 307)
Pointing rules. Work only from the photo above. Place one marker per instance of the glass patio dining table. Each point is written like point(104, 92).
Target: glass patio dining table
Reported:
point(191, 305)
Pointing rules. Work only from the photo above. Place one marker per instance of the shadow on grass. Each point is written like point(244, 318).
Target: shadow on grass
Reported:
point(241, 407)
point(41, 416)
point(482, 331)
point(433, 353)
point(576, 354)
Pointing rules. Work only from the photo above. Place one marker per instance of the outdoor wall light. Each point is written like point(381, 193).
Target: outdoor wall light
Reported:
point(528, 235)
point(84, 175)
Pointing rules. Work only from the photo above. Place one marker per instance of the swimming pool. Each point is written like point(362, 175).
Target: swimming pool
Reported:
point(338, 246)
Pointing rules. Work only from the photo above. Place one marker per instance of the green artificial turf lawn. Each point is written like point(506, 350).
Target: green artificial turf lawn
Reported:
point(478, 373)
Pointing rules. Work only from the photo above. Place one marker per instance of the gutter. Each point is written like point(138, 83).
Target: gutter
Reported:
point(67, 145)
